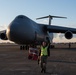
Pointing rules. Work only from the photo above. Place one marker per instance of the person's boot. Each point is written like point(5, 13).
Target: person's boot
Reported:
point(42, 70)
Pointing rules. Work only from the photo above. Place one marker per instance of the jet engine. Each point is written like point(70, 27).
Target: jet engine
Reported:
point(68, 35)
point(3, 36)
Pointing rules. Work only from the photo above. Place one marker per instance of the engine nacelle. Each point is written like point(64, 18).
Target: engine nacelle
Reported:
point(68, 35)
point(3, 36)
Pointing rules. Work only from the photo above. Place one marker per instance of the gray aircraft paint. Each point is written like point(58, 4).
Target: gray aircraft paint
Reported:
point(23, 30)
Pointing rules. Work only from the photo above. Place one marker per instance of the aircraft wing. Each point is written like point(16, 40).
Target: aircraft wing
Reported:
point(59, 29)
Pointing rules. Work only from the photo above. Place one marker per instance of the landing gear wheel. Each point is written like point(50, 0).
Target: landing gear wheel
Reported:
point(22, 47)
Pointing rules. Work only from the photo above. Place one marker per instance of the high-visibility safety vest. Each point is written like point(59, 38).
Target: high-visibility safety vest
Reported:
point(44, 51)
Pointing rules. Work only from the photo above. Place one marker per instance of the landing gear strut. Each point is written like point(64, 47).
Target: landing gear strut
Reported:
point(21, 47)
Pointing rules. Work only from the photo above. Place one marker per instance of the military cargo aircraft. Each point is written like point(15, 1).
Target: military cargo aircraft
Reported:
point(24, 31)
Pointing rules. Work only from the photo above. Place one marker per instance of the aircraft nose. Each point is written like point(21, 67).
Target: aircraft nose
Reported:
point(18, 31)
point(12, 31)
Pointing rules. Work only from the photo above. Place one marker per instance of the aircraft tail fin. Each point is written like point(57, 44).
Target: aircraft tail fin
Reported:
point(50, 18)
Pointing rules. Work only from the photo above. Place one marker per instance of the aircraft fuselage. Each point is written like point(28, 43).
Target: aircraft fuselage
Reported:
point(23, 30)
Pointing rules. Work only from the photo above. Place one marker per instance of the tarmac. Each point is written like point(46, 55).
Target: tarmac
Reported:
point(13, 61)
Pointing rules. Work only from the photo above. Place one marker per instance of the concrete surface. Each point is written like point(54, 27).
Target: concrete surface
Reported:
point(15, 62)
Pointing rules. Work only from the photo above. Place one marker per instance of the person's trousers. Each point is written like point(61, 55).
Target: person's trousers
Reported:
point(43, 62)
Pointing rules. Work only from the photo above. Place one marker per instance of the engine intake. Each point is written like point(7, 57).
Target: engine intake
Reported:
point(68, 35)
point(3, 36)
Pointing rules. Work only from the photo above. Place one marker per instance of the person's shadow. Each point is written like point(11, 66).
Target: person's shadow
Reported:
point(50, 73)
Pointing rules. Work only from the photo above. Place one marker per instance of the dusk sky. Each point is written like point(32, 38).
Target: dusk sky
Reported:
point(9, 9)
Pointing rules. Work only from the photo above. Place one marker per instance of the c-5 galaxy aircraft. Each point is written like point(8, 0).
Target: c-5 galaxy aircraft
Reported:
point(24, 31)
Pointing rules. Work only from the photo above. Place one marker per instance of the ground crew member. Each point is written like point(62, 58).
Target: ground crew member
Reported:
point(69, 45)
point(43, 54)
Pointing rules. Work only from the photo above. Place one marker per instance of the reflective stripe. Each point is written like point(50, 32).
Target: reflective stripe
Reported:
point(44, 50)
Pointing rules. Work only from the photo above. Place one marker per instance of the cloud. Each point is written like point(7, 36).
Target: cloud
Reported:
point(58, 35)
point(74, 35)
point(61, 38)
point(2, 27)
point(5, 41)
point(55, 35)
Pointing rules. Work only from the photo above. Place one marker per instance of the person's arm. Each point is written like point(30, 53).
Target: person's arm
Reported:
point(39, 53)
point(48, 50)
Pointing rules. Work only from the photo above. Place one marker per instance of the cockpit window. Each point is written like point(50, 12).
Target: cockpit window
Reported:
point(21, 16)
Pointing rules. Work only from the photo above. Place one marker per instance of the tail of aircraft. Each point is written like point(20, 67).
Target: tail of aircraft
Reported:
point(50, 18)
